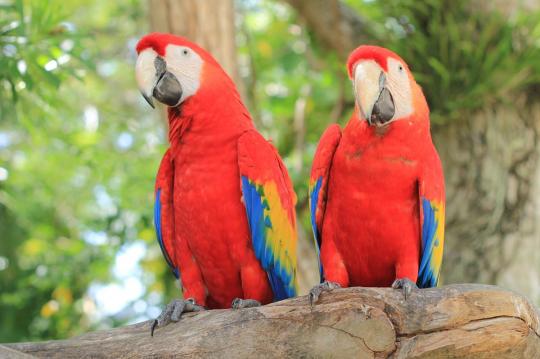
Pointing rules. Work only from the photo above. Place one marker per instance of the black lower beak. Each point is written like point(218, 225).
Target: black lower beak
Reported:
point(148, 99)
point(168, 89)
point(383, 109)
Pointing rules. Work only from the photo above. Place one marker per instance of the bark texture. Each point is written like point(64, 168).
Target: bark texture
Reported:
point(209, 23)
point(8, 353)
point(493, 194)
point(458, 321)
point(335, 23)
point(491, 165)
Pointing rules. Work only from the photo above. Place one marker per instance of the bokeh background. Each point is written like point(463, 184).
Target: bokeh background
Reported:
point(79, 147)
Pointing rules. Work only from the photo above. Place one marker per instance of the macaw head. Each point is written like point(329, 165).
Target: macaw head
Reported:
point(384, 87)
point(171, 69)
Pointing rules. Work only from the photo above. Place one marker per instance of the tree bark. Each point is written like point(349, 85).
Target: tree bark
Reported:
point(456, 321)
point(493, 176)
point(209, 23)
point(8, 353)
point(336, 24)
point(491, 164)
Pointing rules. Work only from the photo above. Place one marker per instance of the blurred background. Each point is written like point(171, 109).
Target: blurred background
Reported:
point(79, 147)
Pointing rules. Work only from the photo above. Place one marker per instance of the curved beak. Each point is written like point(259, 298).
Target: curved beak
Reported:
point(148, 99)
point(155, 81)
point(372, 94)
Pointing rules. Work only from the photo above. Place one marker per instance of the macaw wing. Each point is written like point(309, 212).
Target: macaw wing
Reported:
point(163, 211)
point(319, 182)
point(432, 207)
point(269, 199)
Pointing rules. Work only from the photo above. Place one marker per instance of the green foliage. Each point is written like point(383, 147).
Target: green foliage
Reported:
point(35, 40)
point(463, 57)
point(79, 159)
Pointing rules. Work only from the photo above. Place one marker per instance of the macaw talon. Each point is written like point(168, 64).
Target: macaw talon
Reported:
point(316, 291)
point(406, 285)
point(239, 303)
point(173, 311)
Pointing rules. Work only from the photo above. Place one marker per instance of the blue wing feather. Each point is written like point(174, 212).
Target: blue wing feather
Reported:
point(157, 225)
point(314, 200)
point(259, 224)
point(427, 273)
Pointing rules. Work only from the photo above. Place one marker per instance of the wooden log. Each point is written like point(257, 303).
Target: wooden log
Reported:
point(456, 321)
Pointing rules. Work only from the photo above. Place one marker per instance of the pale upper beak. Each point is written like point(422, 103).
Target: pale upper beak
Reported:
point(155, 81)
point(372, 94)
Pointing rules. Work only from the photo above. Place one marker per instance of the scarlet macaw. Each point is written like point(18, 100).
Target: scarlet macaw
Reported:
point(377, 188)
point(224, 203)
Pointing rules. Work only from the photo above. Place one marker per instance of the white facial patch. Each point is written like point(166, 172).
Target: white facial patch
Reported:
point(398, 82)
point(186, 65)
point(145, 71)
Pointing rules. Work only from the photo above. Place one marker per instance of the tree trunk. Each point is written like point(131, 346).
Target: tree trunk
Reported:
point(493, 176)
point(335, 23)
point(491, 168)
point(460, 321)
point(209, 23)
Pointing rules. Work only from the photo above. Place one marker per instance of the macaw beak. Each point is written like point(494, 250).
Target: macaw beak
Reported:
point(155, 81)
point(149, 100)
point(372, 95)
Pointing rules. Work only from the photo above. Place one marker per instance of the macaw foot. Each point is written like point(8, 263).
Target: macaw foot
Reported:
point(316, 291)
point(173, 311)
point(238, 303)
point(406, 285)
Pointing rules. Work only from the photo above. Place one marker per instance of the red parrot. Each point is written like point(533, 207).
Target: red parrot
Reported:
point(224, 203)
point(377, 188)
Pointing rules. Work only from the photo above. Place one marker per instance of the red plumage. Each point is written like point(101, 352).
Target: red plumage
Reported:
point(204, 226)
point(367, 209)
point(379, 54)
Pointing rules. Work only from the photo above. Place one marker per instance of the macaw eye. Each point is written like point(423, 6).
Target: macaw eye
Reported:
point(185, 52)
point(400, 68)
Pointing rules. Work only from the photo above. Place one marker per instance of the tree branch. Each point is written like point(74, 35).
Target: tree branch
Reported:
point(335, 24)
point(453, 321)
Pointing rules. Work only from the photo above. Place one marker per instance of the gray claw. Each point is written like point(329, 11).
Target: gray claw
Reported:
point(406, 285)
point(316, 291)
point(239, 303)
point(173, 311)
point(177, 311)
